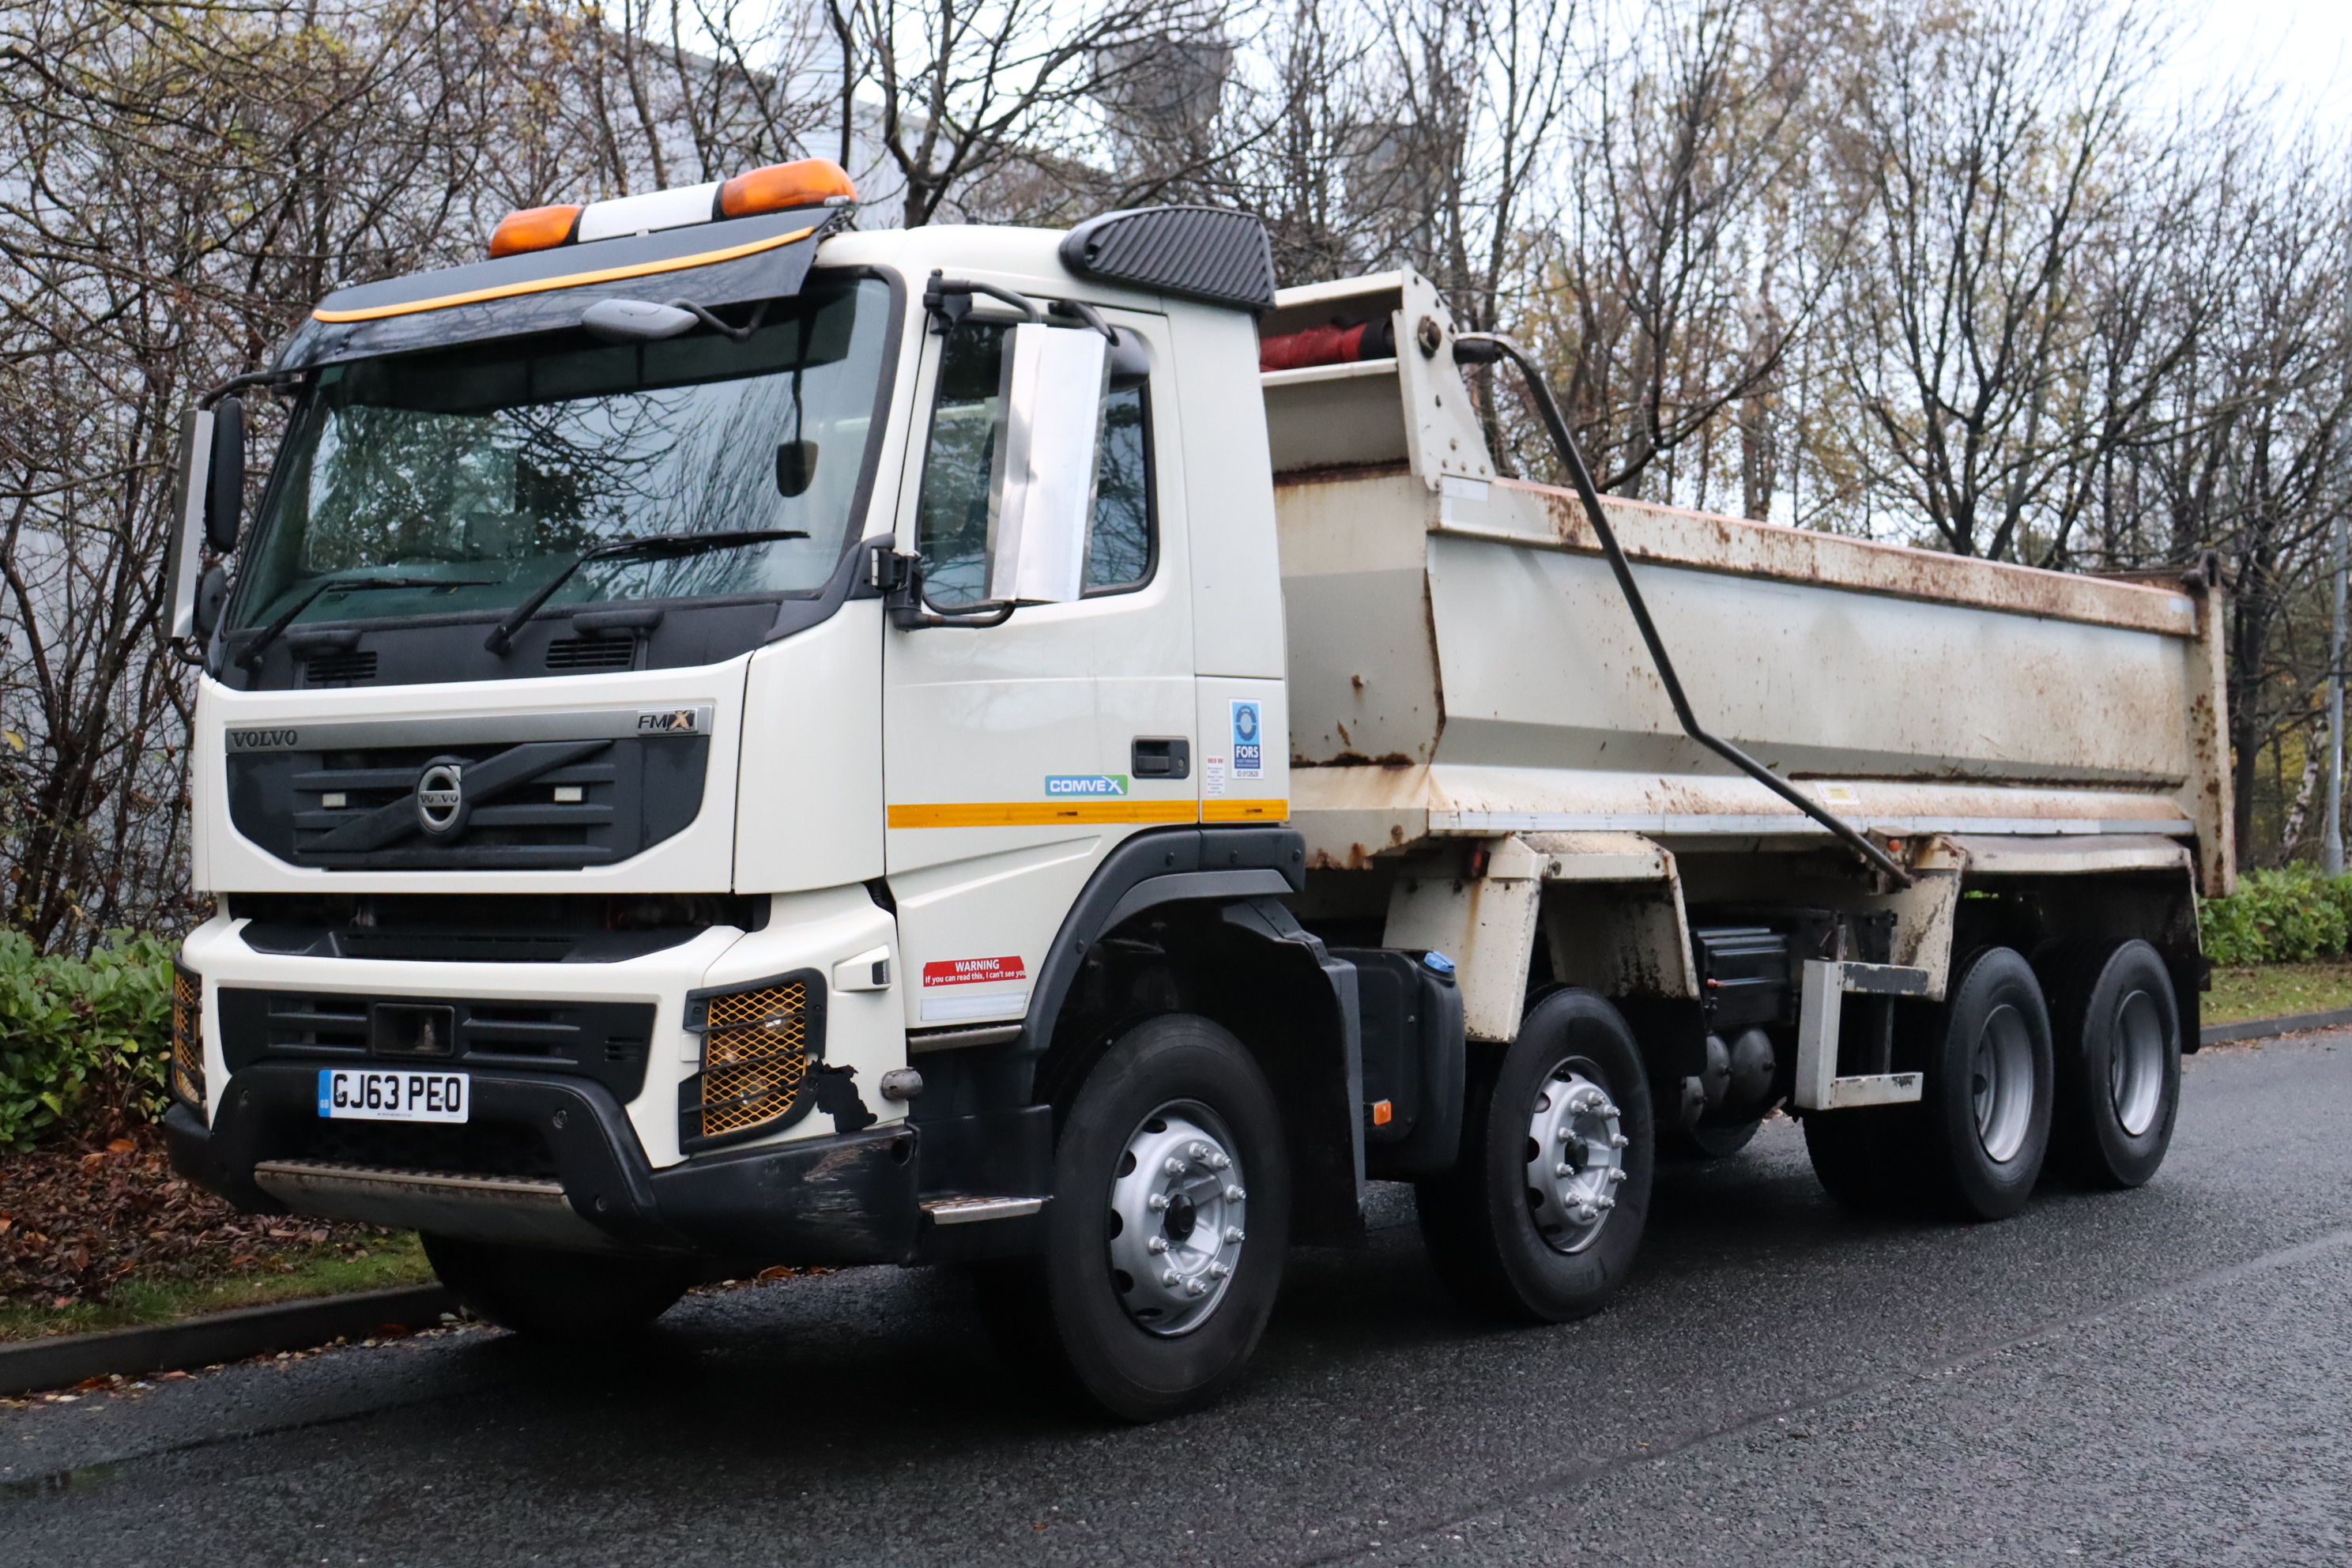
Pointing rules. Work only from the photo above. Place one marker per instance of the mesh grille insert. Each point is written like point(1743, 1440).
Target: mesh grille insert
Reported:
point(187, 1036)
point(755, 1058)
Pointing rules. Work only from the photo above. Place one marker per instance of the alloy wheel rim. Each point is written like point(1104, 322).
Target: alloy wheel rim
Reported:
point(2000, 1083)
point(1575, 1159)
point(1175, 1230)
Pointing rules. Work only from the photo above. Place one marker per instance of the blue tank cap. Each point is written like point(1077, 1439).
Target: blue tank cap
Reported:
point(1437, 962)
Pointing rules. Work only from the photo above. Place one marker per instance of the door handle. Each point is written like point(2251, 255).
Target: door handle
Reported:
point(1157, 757)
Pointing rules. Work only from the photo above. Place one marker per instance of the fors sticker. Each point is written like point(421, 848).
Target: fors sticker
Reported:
point(1249, 740)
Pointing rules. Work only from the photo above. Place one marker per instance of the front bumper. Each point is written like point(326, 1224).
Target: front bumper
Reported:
point(852, 1198)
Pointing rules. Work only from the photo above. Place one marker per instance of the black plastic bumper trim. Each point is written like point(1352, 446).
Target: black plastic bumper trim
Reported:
point(843, 1199)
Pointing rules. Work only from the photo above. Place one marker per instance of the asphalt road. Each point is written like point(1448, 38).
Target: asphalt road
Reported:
point(2155, 1377)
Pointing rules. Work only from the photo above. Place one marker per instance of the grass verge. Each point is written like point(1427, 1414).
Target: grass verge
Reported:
point(2278, 990)
point(395, 1260)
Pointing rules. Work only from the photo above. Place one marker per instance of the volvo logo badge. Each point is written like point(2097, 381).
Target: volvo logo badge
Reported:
point(441, 798)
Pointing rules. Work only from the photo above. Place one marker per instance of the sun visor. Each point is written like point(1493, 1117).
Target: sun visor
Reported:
point(712, 264)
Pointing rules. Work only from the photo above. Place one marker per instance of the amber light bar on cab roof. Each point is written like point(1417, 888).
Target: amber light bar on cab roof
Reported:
point(779, 187)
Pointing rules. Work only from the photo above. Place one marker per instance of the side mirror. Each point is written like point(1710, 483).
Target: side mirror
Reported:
point(1040, 497)
point(795, 468)
point(184, 553)
point(225, 495)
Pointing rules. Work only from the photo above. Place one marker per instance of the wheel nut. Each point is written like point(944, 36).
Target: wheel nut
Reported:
point(1168, 1277)
point(1156, 1202)
point(1233, 1237)
point(1175, 1167)
point(1563, 1169)
point(1196, 1287)
point(1155, 1244)
point(1221, 1271)
point(1616, 1175)
point(1220, 1162)
point(1604, 1202)
point(1567, 1134)
point(1618, 1139)
point(1586, 1211)
point(1234, 1194)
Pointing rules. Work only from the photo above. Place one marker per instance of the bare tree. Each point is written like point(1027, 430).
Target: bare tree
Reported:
point(979, 96)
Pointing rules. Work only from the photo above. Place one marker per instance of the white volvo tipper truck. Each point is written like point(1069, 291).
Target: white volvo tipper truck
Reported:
point(731, 741)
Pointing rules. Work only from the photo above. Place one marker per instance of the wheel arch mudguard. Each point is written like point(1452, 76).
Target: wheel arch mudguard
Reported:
point(1250, 966)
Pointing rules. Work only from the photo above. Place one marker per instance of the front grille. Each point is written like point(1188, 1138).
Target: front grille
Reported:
point(346, 667)
point(538, 805)
point(592, 652)
point(760, 1045)
point(188, 1036)
point(607, 1041)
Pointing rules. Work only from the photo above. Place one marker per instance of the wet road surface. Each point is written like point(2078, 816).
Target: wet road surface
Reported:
point(2154, 1378)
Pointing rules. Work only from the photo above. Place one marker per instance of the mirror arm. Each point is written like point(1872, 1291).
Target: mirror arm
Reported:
point(1090, 315)
point(273, 379)
point(899, 580)
point(949, 299)
point(741, 334)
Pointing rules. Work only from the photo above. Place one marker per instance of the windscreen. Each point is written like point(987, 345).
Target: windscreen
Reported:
point(489, 467)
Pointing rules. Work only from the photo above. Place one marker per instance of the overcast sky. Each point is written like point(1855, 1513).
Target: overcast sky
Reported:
point(2304, 46)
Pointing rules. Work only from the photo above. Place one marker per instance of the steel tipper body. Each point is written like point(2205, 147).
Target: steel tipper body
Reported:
point(730, 740)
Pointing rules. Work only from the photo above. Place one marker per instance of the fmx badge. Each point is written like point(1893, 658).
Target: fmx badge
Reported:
point(668, 721)
point(1249, 741)
point(1102, 785)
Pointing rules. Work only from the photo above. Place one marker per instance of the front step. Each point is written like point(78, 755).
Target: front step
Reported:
point(970, 1211)
point(1820, 1010)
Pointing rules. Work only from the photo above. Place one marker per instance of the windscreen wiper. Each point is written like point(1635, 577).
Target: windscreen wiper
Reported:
point(251, 658)
point(659, 547)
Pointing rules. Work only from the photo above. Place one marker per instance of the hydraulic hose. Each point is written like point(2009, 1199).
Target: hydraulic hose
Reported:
point(1485, 347)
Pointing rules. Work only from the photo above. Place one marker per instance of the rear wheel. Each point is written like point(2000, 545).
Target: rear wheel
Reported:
point(1542, 1216)
point(572, 1297)
point(1705, 1143)
point(1986, 1104)
point(1165, 1237)
point(2115, 1026)
point(1854, 1154)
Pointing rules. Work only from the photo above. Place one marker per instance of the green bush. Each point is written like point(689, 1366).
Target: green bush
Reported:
point(2291, 915)
point(83, 1042)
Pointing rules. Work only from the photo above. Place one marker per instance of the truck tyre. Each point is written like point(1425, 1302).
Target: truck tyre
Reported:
point(1985, 1108)
point(1706, 1143)
point(1164, 1241)
point(1540, 1219)
point(569, 1298)
point(2115, 1027)
point(1854, 1154)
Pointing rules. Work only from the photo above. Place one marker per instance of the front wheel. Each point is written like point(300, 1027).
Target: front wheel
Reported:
point(1164, 1241)
point(568, 1297)
point(1540, 1219)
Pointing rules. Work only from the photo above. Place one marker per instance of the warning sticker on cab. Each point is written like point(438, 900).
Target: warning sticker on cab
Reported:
point(974, 971)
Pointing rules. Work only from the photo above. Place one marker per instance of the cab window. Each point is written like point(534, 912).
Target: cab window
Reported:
point(952, 515)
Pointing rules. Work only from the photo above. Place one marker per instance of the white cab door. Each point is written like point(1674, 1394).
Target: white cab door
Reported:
point(1010, 752)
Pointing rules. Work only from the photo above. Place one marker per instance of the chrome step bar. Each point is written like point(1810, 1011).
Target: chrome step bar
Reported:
point(526, 1210)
